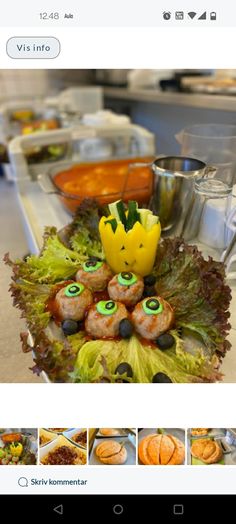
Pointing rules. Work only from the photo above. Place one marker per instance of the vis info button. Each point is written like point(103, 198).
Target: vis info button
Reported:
point(33, 47)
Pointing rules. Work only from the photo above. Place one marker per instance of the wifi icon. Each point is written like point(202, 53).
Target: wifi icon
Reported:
point(192, 14)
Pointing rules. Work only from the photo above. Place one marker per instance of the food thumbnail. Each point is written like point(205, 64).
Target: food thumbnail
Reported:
point(161, 447)
point(18, 447)
point(111, 446)
point(218, 447)
point(68, 448)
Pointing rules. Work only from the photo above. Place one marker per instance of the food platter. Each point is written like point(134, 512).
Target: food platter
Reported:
point(153, 310)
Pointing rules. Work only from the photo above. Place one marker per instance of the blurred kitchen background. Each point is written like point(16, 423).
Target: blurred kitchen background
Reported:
point(157, 99)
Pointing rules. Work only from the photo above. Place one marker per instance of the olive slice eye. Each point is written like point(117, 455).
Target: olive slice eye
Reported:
point(74, 290)
point(141, 245)
point(106, 307)
point(92, 265)
point(152, 306)
point(126, 278)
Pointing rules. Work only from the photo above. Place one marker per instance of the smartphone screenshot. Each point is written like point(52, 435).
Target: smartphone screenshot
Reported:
point(118, 259)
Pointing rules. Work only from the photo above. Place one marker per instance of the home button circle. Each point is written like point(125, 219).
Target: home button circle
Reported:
point(118, 509)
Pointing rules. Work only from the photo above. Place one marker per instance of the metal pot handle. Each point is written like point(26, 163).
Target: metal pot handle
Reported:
point(210, 172)
point(144, 164)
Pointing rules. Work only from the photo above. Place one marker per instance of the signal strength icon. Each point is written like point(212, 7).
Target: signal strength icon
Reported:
point(192, 14)
point(203, 16)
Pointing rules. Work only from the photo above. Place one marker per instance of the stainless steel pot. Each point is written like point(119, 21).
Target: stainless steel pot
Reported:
point(173, 195)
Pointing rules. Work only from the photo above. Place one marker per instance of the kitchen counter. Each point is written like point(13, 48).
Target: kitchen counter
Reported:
point(219, 102)
point(14, 365)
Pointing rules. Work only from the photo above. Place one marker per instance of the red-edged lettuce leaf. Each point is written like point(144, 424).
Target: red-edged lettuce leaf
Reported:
point(197, 291)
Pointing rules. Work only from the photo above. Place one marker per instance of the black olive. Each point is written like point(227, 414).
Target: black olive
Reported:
point(165, 341)
point(160, 378)
point(124, 367)
point(125, 328)
point(149, 280)
point(69, 327)
point(94, 259)
point(149, 291)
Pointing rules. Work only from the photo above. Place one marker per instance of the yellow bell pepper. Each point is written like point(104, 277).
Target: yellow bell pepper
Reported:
point(134, 250)
point(16, 449)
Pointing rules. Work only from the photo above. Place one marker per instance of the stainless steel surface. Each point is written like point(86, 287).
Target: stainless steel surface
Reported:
point(173, 195)
point(225, 103)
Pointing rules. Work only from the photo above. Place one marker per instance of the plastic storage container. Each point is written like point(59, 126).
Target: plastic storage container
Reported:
point(211, 143)
point(79, 100)
point(127, 141)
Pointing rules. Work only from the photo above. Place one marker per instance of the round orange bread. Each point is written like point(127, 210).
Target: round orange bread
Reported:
point(206, 450)
point(111, 452)
point(161, 450)
point(109, 432)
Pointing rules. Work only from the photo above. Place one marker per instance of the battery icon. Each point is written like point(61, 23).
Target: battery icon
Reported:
point(213, 15)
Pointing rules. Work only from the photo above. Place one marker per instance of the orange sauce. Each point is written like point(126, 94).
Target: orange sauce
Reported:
point(107, 181)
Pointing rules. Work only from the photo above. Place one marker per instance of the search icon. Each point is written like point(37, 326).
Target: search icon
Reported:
point(23, 482)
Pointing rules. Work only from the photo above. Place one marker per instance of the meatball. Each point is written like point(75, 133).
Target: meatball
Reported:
point(104, 318)
point(152, 317)
point(72, 301)
point(94, 274)
point(126, 287)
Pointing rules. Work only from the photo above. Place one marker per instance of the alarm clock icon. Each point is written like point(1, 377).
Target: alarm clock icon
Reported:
point(166, 15)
